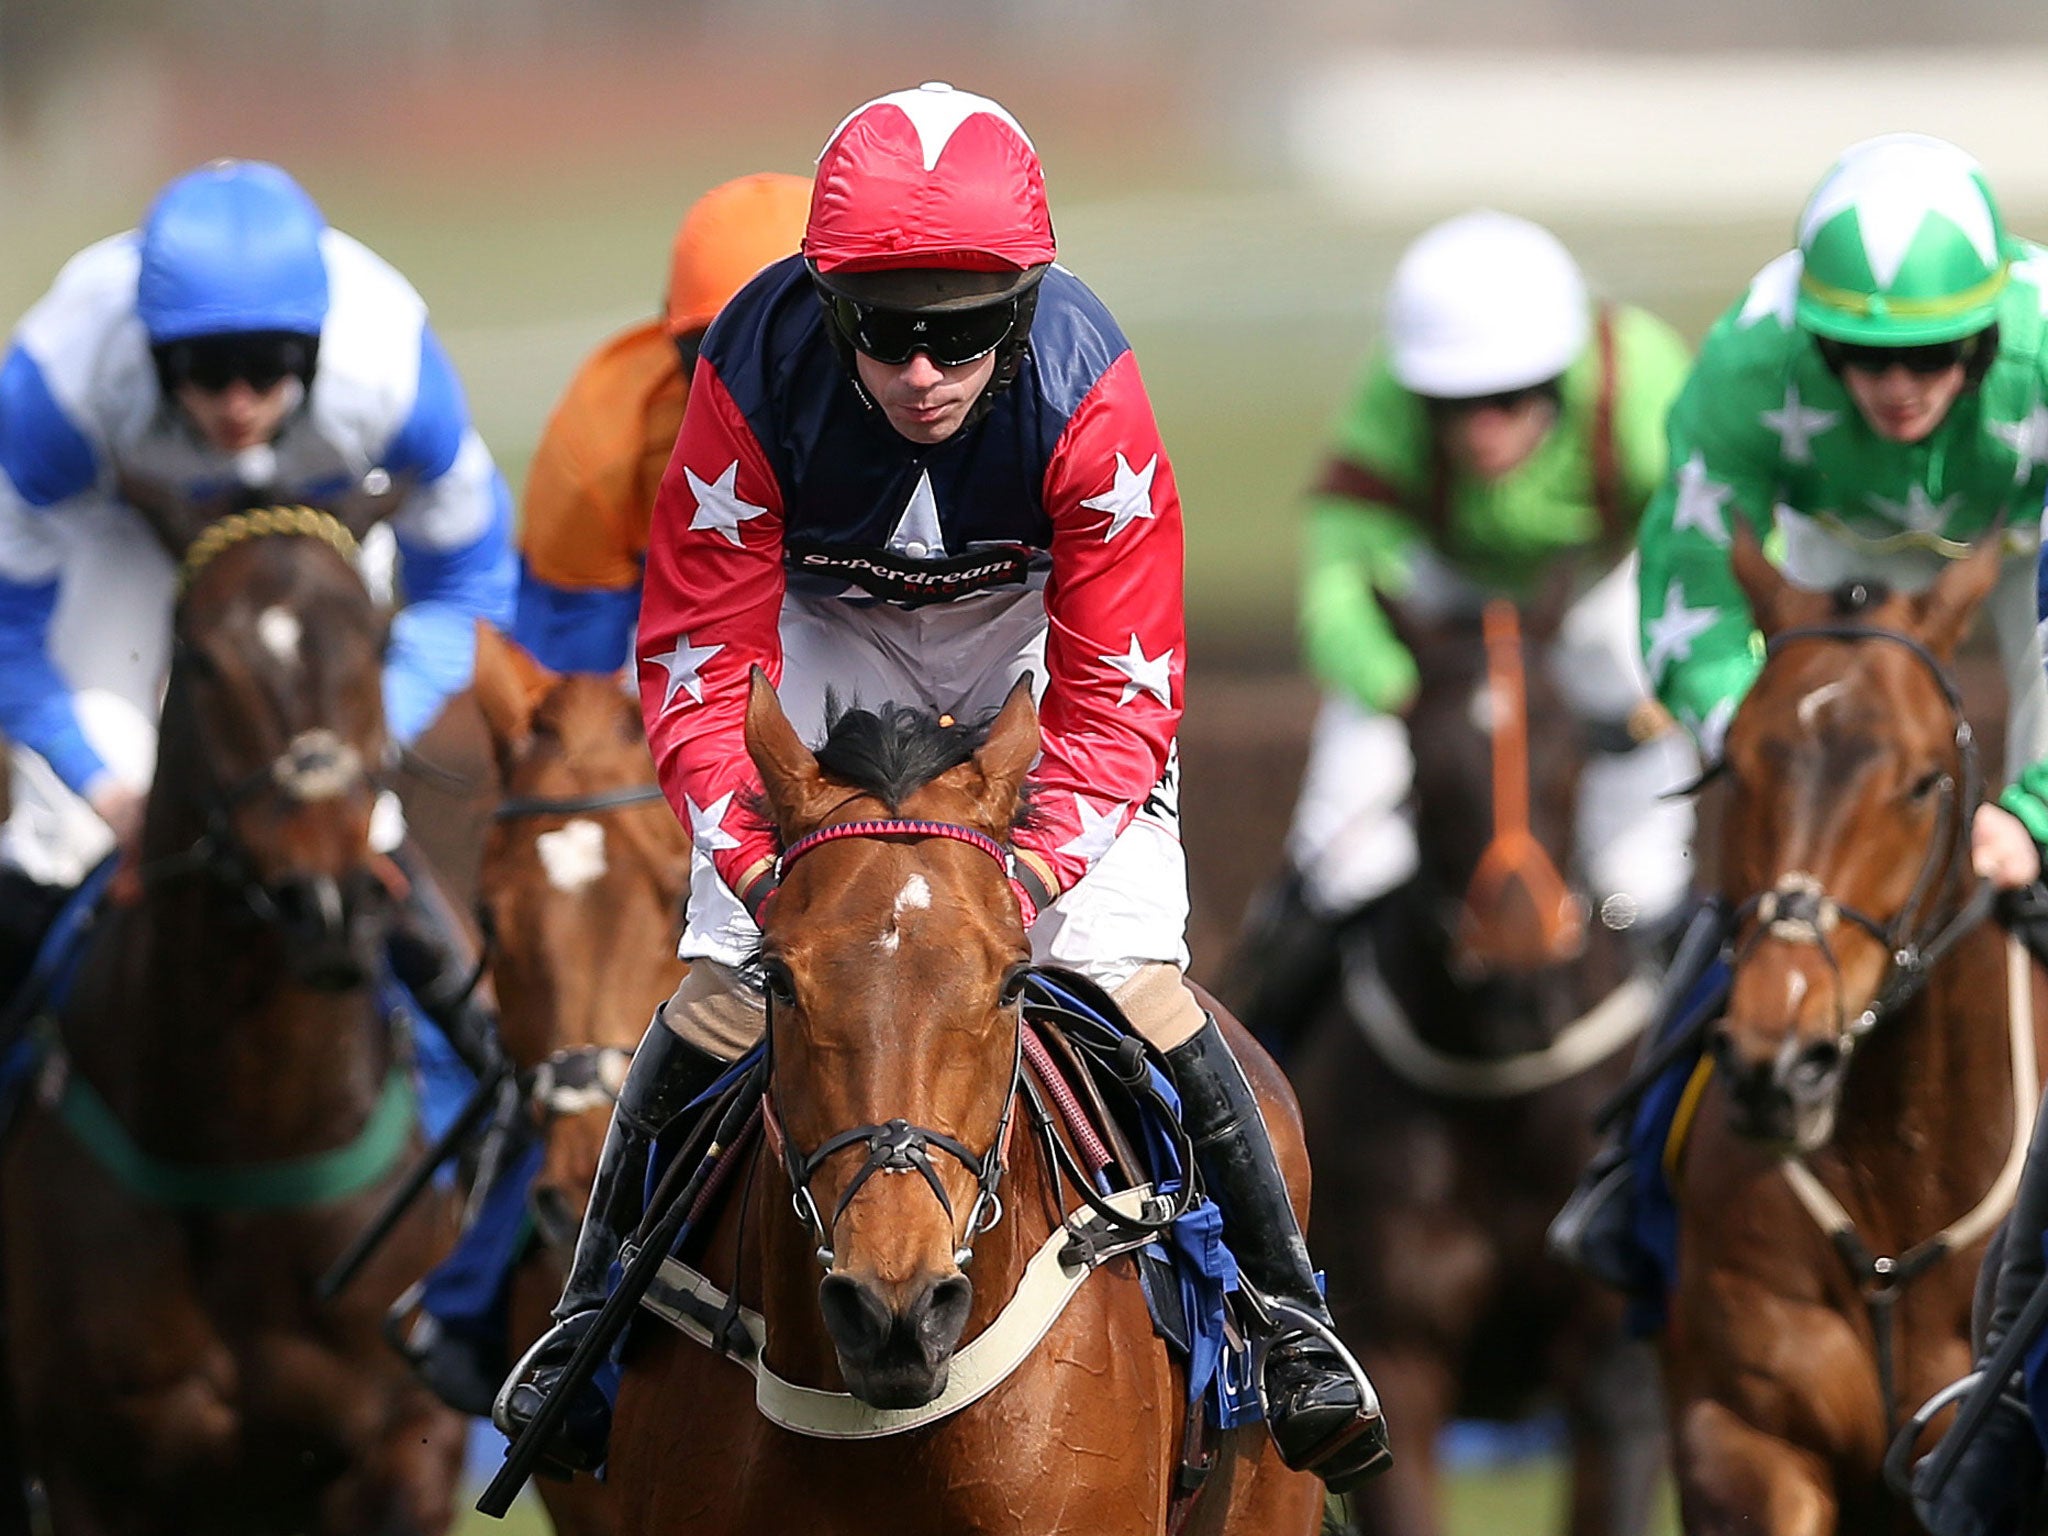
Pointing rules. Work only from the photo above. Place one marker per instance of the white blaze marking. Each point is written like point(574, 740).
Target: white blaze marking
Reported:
point(572, 855)
point(915, 896)
point(1810, 707)
point(280, 631)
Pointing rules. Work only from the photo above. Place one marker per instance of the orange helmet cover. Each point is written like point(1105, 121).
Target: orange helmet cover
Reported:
point(729, 234)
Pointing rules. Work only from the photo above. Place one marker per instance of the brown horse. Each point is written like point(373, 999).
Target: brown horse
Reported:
point(223, 1102)
point(893, 966)
point(1878, 1045)
point(582, 884)
point(1448, 1095)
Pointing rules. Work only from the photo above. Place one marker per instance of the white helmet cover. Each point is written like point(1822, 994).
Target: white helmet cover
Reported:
point(1484, 303)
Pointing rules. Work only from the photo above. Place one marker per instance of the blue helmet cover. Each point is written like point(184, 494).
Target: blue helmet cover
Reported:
point(232, 246)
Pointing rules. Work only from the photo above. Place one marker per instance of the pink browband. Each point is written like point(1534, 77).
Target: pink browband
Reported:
point(887, 828)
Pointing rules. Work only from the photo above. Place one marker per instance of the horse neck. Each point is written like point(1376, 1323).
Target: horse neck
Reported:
point(1926, 1103)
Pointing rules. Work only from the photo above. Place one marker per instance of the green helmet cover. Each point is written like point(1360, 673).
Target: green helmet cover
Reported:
point(1903, 245)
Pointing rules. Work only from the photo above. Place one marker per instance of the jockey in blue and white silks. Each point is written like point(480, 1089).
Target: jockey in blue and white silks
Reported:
point(233, 351)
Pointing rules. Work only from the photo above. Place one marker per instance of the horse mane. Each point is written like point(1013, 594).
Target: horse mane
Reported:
point(1858, 596)
point(895, 750)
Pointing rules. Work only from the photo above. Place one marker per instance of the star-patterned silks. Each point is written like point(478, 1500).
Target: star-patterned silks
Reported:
point(1098, 829)
point(1144, 674)
point(2027, 438)
point(1129, 498)
point(1894, 185)
point(936, 112)
point(1797, 425)
point(1919, 511)
point(685, 666)
point(1774, 291)
point(2033, 271)
point(707, 824)
point(917, 533)
point(1702, 502)
point(719, 506)
point(1713, 730)
point(1672, 632)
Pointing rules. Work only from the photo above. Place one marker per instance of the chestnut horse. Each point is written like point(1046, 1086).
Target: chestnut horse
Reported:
point(1872, 1079)
point(584, 872)
point(223, 1101)
point(893, 965)
point(1449, 1092)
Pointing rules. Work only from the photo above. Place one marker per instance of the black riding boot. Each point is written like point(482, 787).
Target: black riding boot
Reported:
point(1997, 1479)
point(432, 954)
point(27, 909)
point(1324, 1415)
point(667, 1073)
point(1285, 966)
point(1595, 1228)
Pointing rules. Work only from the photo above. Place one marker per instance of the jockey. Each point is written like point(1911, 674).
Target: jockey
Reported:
point(917, 465)
point(590, 489)
point(1506, 423)
point(233, 352)
point(1883, 390)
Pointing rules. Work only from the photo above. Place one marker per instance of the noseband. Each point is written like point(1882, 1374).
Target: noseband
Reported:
point(895, 1146)
point(1799, 910)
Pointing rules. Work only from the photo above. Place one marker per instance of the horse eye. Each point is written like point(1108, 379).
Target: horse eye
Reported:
point(779, 984)
point(1928, 783)
point(1013, 986)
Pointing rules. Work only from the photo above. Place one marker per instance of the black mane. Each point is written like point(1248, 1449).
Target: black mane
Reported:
point(893, 751)
point(1859, 596)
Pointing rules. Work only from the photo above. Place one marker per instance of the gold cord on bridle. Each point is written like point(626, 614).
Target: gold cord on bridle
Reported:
point(264, 522)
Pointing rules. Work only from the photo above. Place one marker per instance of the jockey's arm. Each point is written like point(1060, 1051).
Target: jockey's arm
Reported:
point(46, 460)
point(1116, 647)
point(454, 533)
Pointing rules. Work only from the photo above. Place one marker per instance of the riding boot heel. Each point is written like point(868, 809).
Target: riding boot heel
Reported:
point(1323, 1413)
point(667, 1074)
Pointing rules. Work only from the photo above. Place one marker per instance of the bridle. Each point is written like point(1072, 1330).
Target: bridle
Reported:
point(896, 1146)
point(1799, 910)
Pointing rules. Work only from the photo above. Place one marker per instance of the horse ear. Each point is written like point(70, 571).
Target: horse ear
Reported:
point(1946, 607)
point(1762, 582)
point(508, 685)
point(1005, 757)
point(789, 770)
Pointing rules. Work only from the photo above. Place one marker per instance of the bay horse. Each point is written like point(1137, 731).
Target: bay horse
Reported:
point(894, 963)
point(1448, 1092)
point(1873, 1078)
point(223, 1100)
point(582, 883)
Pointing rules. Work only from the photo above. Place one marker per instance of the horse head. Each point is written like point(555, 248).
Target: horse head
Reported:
point(1847, 837)
point(273, 732)
point(893, 959)
point(581, 890)
point(1495, 800)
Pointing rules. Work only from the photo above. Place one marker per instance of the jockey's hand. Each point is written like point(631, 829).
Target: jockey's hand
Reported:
point(1994, 1482)
point(2002, 850)
point(120, 807)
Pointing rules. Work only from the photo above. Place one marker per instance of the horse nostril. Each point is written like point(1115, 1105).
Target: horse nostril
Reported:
point(944, 1313)
point(1816, 1064)
point(854, 1315)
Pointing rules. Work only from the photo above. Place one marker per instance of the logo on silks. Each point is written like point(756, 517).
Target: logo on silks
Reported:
point(911, 582)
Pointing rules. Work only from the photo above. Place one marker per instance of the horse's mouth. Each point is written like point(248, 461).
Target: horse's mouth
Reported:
point(905, 1384)
point(1781, 1126)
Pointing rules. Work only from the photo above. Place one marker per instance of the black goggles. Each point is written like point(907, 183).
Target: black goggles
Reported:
point(1937, 357)
point(1500, 400)
point(260, 359)
point(948, 337)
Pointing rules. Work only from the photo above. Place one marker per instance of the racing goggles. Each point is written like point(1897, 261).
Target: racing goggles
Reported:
point(1508, 400)
point(949, 337)
point(260, 359)
point(1926, 361)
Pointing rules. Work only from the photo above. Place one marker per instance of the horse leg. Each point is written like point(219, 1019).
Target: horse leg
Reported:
point(1617, 1446)
point(1416, 1390)
point(1735, 1480)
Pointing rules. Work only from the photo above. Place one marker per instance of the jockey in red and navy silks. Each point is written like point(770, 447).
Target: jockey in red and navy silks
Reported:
point(917, 465)
point(1060, 487)
point(234, 351)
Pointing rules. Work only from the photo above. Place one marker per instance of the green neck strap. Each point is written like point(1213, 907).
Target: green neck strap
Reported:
point(296, 1181)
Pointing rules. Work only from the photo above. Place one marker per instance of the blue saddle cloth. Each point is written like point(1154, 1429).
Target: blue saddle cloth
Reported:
point(1655, 1214)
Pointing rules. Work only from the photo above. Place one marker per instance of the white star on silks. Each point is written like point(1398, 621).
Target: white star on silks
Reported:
point(1145, 674)
point(1713, 730)
point(1702, 502)
point(685, 666)
point(1098, 829)
point(1128, 498)
point(1672, 632)
point(917, 532)
point(1919, 511)
point(707, 823)
point(719, 507)
point(1888, 216)
point(2028, 439)
point(1797, 426)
